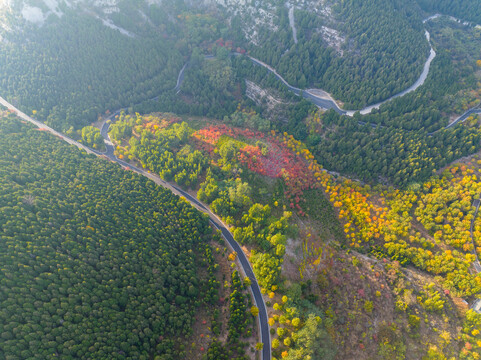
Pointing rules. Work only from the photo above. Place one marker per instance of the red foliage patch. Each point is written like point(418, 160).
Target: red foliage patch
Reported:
point(203, 146)
point(280, 161)
point(212, 133)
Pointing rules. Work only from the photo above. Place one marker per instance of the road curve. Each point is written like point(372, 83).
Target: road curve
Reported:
point(109, 153)
point(327, 102)
point(246, 267)
point(474, 110)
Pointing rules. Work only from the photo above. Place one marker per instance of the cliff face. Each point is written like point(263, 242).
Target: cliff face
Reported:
point(16, 14)
point(257, 18)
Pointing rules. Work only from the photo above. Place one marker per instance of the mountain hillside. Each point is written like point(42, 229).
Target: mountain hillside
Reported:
point(347, 48)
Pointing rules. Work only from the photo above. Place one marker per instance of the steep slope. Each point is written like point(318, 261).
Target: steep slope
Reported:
point(76, 62)
point(348, 48)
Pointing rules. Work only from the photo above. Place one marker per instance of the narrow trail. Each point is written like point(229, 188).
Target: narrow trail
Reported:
point(180, 78)
point(292, 23)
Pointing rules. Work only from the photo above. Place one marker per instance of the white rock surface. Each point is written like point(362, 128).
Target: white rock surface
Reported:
point(33, 14)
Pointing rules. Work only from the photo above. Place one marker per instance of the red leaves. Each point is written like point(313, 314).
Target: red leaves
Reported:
point(281, 159)
point(227, 43)
point(203, 146)
point(212, 133)
point(281, 162)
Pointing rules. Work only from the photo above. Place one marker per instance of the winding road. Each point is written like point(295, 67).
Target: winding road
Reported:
point(327, 102)
point(216, 222)
point(474, 110)
point(324, 101)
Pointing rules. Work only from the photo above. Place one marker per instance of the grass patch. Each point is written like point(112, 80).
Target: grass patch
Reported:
point(321, 210)
point(226, 138)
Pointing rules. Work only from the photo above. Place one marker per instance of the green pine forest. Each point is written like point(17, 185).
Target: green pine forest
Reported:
point(97, 262)
point(361, 230)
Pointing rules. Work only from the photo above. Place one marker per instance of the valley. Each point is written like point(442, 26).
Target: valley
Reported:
point(251, 216)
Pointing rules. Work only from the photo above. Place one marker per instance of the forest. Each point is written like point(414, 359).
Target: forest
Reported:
point(467, 10)
point(173, 150)
point(67, 91)
point(97, 261)
point(211, 86)
point(353, 242)
point(388, 155)
point(361, 230)
point(232, 170)
point(404, 141)
point(358, 74)
point(53, 74)
point(74, 69)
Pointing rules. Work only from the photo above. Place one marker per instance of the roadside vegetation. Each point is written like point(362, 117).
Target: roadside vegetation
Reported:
point(360, 230)
point(99, 262)
point(323, 277)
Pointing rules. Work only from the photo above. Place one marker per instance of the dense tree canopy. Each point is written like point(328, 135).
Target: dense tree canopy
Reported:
point(97, 262)
point(468, 10)
point(383, 52)
point(73, 75)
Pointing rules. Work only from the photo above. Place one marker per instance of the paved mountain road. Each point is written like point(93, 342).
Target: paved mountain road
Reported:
point(324, 102)
point(474, 110)
point(244, 263)
point(41, 125)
